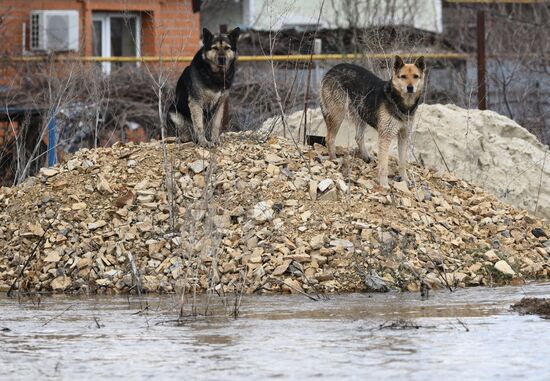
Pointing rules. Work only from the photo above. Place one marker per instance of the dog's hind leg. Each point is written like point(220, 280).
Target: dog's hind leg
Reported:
point(360, 140)
point(402, 146)
point(333, 112)
point(178, 126)
point(384, 141)
point(198, 123)
point(333, 125)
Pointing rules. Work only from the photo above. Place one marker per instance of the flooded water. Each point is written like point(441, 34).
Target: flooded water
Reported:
point(466, 335)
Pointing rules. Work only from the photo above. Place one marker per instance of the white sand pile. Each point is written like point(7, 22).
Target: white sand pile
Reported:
point(479, 146)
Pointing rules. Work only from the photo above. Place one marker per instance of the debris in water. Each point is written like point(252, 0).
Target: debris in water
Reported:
point(533, 306)
point(375, 283)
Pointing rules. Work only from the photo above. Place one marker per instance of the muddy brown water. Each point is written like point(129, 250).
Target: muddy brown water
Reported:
point(467, 335)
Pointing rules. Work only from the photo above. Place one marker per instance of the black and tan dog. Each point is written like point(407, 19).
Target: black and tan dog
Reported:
point(202, 90)
point(388, 106)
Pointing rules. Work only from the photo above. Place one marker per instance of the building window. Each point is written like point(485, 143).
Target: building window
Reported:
point(116, 35)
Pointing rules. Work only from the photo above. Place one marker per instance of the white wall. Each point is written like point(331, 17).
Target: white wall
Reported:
point(231, 13)
point(276, 14)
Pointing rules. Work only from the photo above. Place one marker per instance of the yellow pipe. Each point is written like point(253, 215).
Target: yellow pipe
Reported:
point(277, 58)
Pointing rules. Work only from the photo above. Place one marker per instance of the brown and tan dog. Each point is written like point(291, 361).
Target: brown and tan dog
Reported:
point(388, 106)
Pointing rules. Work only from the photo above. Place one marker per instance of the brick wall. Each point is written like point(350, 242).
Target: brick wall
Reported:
point(168, 26)
point(7, 131)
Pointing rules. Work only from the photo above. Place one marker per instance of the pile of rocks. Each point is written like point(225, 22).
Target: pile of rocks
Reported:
point(482, 147)
point(258, 217)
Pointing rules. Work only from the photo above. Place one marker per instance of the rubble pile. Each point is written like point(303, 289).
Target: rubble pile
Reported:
point(258, 217)
point(482, 147)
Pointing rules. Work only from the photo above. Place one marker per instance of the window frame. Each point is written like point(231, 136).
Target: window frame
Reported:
point(105, 19)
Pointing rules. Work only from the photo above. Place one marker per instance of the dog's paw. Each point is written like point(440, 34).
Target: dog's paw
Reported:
point(205, 143)
point(383, 183)
point(381, 188)
point(410, 183)
point(405, 178)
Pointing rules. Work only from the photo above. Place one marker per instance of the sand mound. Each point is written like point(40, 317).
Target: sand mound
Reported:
point(478, 146)
point(262, 217)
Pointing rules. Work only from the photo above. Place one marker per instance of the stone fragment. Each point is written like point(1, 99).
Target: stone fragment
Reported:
point(503, 267)
point(78, 206)
point(325, 184)
point(52, 257)
point(263, 211)
point(318, 241)
point(401, 186)
point(96, 224)
point(313, 190)
point(301, 258)
point(198, 166)
point(342, 185)
point(539, 232)
point(375, 283)
point(103, 186)
point(491, 256)
point(49, 172)
point(292, 286)
point(281, 269)
point(341, 243)
point(273, 159)
point(61, 283)
point(34, 230)
point(330, 195)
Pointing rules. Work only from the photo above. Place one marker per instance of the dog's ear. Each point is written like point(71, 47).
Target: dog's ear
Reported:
point(420, 63)
point(234, 36)
point(207, 37)
point(398, 63)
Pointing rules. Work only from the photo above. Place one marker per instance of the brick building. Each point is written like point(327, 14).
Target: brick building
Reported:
point(115, 27)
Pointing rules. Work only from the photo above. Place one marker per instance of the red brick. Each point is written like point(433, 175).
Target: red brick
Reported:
point(168, 26)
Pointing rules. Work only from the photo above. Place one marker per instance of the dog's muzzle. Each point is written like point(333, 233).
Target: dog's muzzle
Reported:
point(410, 89)
point(222, 60)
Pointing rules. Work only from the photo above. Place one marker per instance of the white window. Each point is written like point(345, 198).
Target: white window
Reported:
point(116, 35)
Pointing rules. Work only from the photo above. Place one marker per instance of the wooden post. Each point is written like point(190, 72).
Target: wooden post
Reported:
point(481, 62)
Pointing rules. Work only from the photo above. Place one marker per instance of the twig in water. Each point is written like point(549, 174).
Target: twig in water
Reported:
point(58, 315)
point(97, 323)
point(463, 324)
point(399, 324)
point(295, 289)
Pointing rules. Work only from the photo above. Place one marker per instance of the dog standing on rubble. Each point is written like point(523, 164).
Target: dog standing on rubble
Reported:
point(387, 106)
point(202, 90)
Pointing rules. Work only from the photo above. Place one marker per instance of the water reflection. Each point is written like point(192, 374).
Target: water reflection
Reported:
point(469, 334)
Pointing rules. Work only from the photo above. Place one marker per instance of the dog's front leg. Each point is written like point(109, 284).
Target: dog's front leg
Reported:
point(198, 123)
point(402, 146)
point(384, 141)
point(217, 121)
